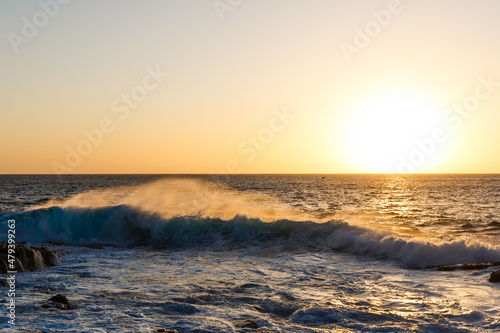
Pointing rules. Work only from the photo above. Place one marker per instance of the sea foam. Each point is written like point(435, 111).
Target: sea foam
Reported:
point(125, 226)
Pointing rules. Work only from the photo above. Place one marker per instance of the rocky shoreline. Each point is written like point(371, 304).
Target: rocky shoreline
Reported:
point(494, 277)
point(28, 258)
point(468, 267)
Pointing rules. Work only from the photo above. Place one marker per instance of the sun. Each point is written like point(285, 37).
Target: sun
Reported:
point(379, 129)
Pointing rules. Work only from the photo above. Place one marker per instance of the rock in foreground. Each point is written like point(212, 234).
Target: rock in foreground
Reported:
point(60, 299)
point(59, 302)
point(495, 277)
point(468, 267)
point(28, 258)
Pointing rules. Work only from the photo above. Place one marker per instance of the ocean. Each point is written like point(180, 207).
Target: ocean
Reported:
point(256, 253)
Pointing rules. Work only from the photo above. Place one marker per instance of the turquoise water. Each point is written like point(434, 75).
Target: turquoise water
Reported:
point(285, 253)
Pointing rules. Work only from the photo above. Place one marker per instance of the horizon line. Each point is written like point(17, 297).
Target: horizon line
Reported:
point(248, 174)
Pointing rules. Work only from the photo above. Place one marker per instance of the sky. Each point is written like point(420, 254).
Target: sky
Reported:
point(228, 86)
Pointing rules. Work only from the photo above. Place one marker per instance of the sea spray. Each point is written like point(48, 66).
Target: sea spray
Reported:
point(125, 226)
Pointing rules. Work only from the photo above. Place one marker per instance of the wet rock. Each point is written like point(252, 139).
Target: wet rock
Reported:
point(53, 305)
point(467, 267)
point(59, 302)
point(28, 258)
point(62, 306)
point(495, 277)
point(59, 299)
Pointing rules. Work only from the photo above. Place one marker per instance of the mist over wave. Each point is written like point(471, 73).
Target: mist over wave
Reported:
point(125, 226)
point(185, 197)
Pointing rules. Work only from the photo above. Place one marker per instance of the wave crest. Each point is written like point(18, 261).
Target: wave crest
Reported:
point(124, 226)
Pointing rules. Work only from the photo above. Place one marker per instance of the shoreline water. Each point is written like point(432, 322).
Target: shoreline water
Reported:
point(263, 253)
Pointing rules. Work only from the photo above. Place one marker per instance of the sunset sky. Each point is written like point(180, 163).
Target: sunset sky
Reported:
point(282, 86)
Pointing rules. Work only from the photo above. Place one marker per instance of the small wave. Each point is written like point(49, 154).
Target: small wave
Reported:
point(124, 226)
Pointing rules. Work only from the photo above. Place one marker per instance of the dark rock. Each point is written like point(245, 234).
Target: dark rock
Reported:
point(59, 302)
point(59, 299)
point(28, 258)
point(165, 331)
point(54, 305)
point(471, 267)
point(50, 256)
point(4, 283)
point(448, 268)
point(61, 306)
point(495, 277)
point(467, 267)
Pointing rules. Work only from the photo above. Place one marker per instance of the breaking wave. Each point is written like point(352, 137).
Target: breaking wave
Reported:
point(126, 226)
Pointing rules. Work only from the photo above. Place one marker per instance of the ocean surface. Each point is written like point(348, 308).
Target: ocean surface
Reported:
point(257, 253)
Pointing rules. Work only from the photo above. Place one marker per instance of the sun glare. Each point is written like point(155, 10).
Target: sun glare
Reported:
point(379, 129)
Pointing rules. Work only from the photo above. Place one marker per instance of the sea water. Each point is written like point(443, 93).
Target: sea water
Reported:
point(268, 253)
